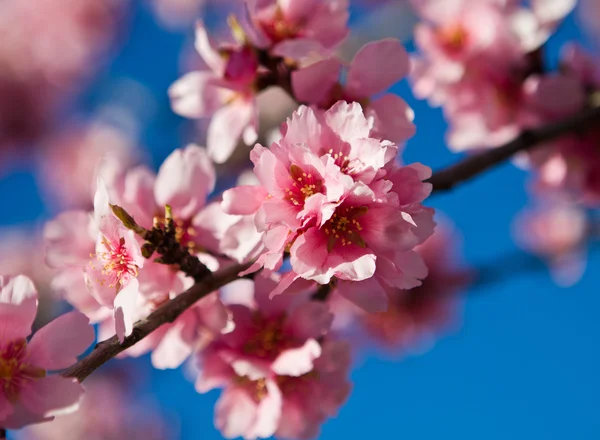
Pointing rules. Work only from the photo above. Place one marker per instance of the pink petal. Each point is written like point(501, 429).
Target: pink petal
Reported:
point(57, 345)
point(392, 119)
point(185, 180)
point(195, 95)
point(368, 295)
point(348, 121)
point(300, 49)
point(376, 67)
point(52, 396)
point(18, 307)
point(297, 361)
point(243, 200)
point(69, 239)
point(296, 11)
point(314, 84)
point(6, 408)
point(21, 416)
point(124, 309)
point(310, 320)
point(268, 413)
point(208, 51)
point(226, 128)
point(172, 350)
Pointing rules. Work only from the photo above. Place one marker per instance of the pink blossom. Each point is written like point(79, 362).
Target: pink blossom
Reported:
point(296, 28)
point(27, 394)
point(72, 155)
point(278, 373)
point(556, 230)
point(415, 317)
point(48, 49)
point(225, 92)
point(376, 67)
point(116, 267)
point(571, 163)
point(327, 198)
point(475, 58)
point(108, 411)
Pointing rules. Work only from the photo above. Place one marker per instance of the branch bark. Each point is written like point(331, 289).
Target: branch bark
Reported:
point(448, 178)
point(168, 312)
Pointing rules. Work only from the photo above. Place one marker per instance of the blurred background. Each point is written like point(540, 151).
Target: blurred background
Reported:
point(516, 355)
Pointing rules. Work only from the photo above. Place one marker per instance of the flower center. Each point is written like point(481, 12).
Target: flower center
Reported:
point(341, 160)
point(344, 227)
point(118, 265)
point(453, 38)
point(278, 28)
point(303, 186)
point(14, 372)
point(268, 339)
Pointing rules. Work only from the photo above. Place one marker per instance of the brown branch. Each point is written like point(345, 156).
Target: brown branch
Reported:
point(470, 167)
point(2, 433)
point(168, 312)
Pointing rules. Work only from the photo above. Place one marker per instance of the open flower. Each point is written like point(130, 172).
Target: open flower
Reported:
point(225, 92)
point(27, 394)
point(295, 29)
point(331, 196)
point(280, 373)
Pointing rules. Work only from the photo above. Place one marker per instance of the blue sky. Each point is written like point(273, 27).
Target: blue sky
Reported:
point(524, 363)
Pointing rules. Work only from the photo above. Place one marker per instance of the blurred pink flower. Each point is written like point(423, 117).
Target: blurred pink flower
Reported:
point(296, 28)
point(279, 372)
point(332, 197)
point(48, 48)
point(555, 230)
point(70, 157)
point(225, 93)
point(108, 412)
point(27, 394)
point(475, 57)
point(415, 317)
point(375, 68)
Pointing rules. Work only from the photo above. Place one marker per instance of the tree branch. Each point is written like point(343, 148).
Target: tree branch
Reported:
point(168, 312)
point(470, 167)
point(2, 433)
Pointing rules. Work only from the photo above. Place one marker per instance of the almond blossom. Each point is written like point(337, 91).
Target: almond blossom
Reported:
point(374, 69)
point(103, 273)
point(225, 92)
point(332, 197)
point(571, 163)
point(475, 58)
point(555, 229)
point(280, 375)
point(296, 28)
point(27, 393)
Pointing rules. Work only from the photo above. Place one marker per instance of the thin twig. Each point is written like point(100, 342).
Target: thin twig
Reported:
point(470, 167)
point(168, 312)
point(2, 433)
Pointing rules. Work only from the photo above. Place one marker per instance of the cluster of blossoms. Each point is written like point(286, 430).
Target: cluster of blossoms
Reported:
point(483, 63)
point(330, 226)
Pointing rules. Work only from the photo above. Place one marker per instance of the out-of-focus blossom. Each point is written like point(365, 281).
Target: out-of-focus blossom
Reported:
point(475, 58)
point(27, 394)
point(556, 230)
point(225, 92)
point(571, 163)
point(280, 373)
point(47, 49)
point(107, 412)
point(103, 272)
point(375, 68)
point(414, 317)
point(333, 198)
point(71, 157)
point(297, 28)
